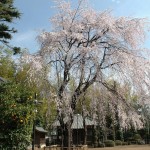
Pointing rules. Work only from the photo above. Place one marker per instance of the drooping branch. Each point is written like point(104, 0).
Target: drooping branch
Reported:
point(90, 47)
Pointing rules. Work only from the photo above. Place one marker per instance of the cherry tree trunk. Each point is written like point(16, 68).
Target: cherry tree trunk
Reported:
point(69, 136)
point(85, 132)
point(66, 136)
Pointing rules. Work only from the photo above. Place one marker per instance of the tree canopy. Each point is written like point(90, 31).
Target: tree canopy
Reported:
point(92, 46)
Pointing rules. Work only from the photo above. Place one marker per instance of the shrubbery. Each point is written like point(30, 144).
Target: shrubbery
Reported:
point(109, 143)
point(124, 143)
point(137, 137)
point(141, 142)
point(16, 117)
point(100, 144)
point(118, 142)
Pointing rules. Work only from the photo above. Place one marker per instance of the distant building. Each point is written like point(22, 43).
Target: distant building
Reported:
point(77, 130)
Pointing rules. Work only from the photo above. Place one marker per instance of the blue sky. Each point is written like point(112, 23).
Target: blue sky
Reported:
point(36, 14)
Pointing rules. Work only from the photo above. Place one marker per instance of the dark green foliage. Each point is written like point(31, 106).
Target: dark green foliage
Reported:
point(137, 139)
point(16, 50)
point(128, 134)
point(109, 143)
point(16, 116)
point(118, 142)
point(119, 134)
point(7, 14)
point(101, 145)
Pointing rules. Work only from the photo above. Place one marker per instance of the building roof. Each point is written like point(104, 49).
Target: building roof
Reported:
point(40, 129)
point(77, 122)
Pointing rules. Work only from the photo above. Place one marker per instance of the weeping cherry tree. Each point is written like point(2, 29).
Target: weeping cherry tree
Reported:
point(89, 46)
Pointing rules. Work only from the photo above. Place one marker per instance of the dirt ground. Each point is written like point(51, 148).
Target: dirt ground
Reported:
point(130, 147)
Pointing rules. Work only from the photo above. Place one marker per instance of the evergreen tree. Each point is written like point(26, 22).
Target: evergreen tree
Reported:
point(7, 14)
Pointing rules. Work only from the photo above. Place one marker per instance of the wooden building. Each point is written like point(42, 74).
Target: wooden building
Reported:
point(39, 139)
point(77, 130)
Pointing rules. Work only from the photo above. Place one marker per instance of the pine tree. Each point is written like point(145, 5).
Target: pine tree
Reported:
point(7, 14)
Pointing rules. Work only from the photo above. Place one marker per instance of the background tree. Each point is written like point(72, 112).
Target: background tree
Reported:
point(39, 84)
point(17, 107)
point(111, 115)
point(7, 14)
point(7, 65)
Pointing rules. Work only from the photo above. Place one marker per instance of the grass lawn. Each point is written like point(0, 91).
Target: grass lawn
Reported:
point(130, 147)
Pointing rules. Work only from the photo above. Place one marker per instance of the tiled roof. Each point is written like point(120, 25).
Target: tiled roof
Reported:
point(40, 129)
point(77, 122)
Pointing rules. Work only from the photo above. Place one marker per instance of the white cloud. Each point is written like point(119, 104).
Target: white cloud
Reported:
point(25, 40)
point(116, 1)
point(25, 36)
